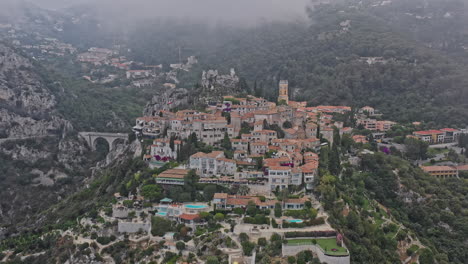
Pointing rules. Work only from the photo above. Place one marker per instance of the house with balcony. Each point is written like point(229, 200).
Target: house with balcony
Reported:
point(430, 136)
point(206, 164)
point(172, 177)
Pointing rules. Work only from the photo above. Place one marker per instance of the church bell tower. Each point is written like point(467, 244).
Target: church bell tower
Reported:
point(283, 91)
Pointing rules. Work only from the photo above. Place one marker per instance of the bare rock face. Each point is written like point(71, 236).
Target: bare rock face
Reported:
point(214, 85)
point(116, 122)
point(71, 153)
point(166, 101)
point(36, 147)
point(26, 104)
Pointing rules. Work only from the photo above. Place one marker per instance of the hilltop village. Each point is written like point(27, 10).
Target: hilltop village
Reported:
point(237, 178)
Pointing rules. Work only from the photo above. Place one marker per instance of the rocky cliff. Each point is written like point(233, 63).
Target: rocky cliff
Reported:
point(215, 85)
point(41, 161)
point(26, 104)
point(166, 100)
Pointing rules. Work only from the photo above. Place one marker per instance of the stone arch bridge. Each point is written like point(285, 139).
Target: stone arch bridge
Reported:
point(112, 139)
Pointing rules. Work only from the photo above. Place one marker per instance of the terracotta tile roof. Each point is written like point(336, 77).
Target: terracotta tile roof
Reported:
point(173, 173)
point(220, 196)
point(212, 155)
point(237, 201)
point(310, 167)
point(290, 131)
point(226, 160)
point(437, 168)
point(265, 112)
point(189, 217)
point(283, 168)
point(428, 132)
point(297, 201)
point(273, 148)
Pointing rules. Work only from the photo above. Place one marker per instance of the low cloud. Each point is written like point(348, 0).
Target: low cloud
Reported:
point(236, 11)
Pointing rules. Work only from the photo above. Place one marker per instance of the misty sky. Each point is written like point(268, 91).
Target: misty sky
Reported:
point(211, 10)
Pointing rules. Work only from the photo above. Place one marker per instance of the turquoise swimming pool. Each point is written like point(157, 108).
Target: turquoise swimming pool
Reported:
point(297, 221)
point(193, 206)
point(162, 213)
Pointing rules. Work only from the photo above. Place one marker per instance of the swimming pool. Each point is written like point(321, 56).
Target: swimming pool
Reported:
point(162, 213)
point(297, 221)
point(194, 206)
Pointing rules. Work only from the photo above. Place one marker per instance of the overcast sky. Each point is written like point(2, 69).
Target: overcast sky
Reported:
point(230, 10)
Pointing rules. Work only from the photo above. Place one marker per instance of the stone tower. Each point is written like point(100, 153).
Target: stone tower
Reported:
point(283, 91)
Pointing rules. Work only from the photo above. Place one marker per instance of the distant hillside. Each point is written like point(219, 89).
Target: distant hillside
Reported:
point(326, 63)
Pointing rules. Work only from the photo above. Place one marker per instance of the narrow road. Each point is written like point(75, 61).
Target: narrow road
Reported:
point(2, 140)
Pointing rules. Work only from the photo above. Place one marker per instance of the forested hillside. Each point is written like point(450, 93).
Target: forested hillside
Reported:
point(425, 207)
point(324, 63)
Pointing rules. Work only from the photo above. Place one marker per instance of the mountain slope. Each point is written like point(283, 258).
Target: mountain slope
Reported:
point(40, 158)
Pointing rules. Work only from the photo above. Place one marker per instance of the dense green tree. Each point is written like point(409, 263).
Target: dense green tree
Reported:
point(226, 143)
point(180, 245)
point(209, 191)
point(416, 149)
point(152, 192)
point(160, 226)
point(278, 210)
point(287, 124)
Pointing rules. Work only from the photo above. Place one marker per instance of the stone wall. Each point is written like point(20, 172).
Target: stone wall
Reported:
point(133, 227)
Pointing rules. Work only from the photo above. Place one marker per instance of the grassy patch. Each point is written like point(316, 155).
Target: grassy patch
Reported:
point(327, 244)
point(379, 221)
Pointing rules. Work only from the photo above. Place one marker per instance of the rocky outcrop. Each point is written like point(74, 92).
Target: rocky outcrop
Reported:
point(37, 148)
point(215, 85)
point(26, 104)
point(166, 100)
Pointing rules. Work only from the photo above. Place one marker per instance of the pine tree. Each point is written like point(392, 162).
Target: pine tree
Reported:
point(334, 165)
point(171, 143)
point(226, 143)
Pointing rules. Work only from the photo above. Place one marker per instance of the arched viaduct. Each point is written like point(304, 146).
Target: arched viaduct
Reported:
point(111, 138)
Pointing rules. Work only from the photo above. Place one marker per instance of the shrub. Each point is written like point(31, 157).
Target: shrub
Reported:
point(83, 246)
point(275, 237)
point(316, 221)
point(103, 240)
point(262, 241)
point(274, 224)
point(238, 211)
point(248, 247)
point(243, 237)
point(180, 245)
point(278, 211)
point(310, 234)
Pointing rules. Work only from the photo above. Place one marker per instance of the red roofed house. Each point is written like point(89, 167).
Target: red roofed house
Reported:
point(162, 148)
point(430, 136)
point(441, 171)
point(279, 177)
point(190, 219)
point(360, 139)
